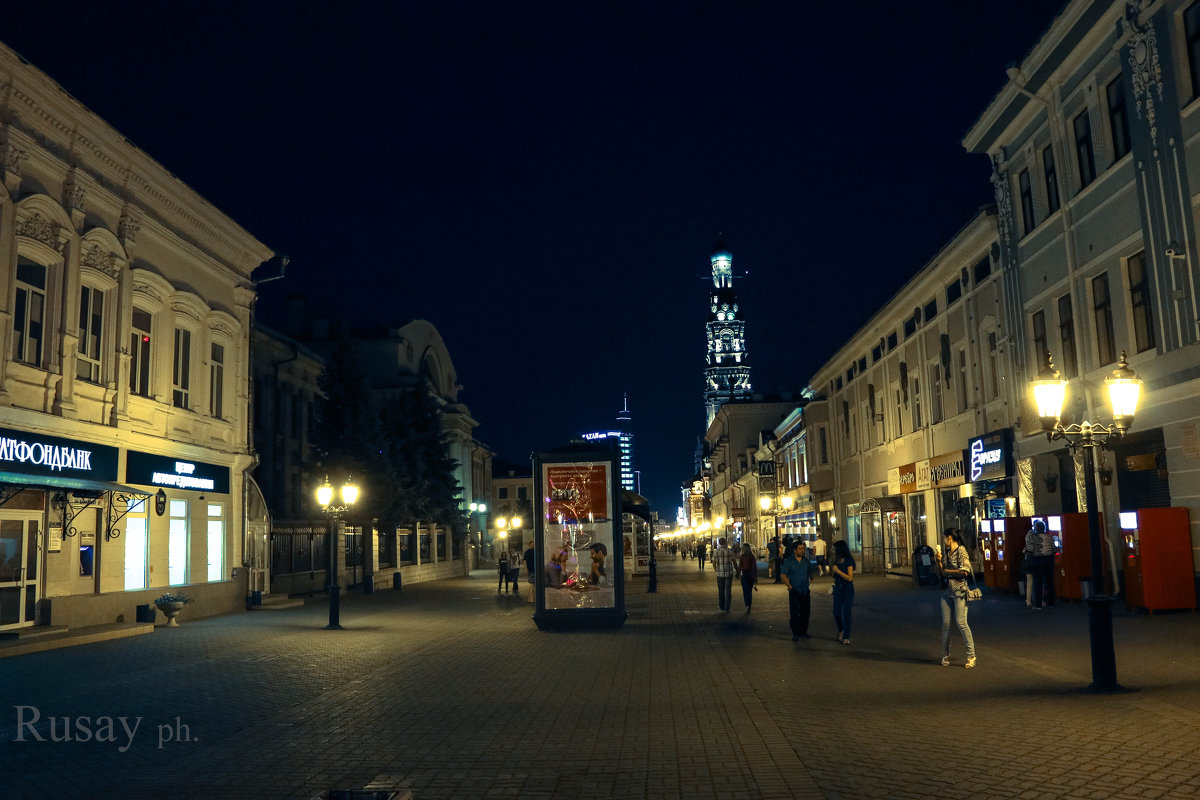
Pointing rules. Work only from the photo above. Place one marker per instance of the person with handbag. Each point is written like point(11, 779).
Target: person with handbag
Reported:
point(956, 569)
point(1039, 549)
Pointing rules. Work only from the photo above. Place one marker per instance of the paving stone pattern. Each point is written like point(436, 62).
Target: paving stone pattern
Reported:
point(449, 690)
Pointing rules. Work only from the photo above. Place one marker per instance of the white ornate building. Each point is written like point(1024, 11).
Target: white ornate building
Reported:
point(124, 337)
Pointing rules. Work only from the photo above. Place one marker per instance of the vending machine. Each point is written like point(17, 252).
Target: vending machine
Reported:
point(989, 552)
point(1158, 559)
point(1073, 559)
point(1008, 545)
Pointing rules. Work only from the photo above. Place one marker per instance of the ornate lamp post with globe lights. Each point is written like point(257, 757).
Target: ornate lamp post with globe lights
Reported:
point(1124, 389)
point(349, 496)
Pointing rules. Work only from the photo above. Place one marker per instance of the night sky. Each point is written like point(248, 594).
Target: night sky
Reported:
point(544, 182)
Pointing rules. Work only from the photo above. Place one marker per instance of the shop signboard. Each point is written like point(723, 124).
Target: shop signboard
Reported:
point(578, 540)
point(38, 454)
point(906, 479)
point(923, 476)
point(948, 469)
point(147, 469)
point(989, 456)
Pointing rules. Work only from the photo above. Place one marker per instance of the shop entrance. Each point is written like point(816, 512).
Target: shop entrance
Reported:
point(885, 536)
point(20, 568)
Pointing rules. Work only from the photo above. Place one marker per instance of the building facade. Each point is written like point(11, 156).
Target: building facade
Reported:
point(1094, 146)
point(903, 398)
point(124, 372)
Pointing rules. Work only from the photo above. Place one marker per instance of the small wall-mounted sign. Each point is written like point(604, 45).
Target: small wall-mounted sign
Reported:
point(54, 539)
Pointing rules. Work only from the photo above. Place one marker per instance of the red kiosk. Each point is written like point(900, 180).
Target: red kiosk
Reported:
point(1158, 559)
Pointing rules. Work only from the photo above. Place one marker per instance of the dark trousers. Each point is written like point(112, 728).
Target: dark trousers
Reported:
point(843, 605)
point(724, 592)
point(779, 570)
point(1043, 581)
point(747, 589)
point(799, 608)
point(514, 577)
point(503, 578)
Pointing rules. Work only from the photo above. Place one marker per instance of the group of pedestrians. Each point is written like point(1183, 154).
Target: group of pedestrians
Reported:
point(795, 568)
point(508, 567)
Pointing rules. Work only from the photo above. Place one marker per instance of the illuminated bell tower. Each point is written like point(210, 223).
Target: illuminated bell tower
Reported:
point(727, 370)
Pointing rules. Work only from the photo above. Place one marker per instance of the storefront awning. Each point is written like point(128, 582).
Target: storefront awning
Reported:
point(886, 503)
point(29, 481)
point(111, 498)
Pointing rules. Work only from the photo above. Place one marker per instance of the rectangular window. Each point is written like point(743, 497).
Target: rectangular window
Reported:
point(1140, 299)
point(1040, 345)
point(962, 381)
point(177, 543)
point(910, 327)
point(1084, 156)
point(891, 341)
point(1191, 26)
point(216, 542)
point(181, 373)
point(139, 353)
point(522, 492)
point(899, 414)
point(216, 382)
point(1051, 180)
point(993, 364)
point(91, 334)
point(1066, 336)
point(1106, 348)
point(930, 310)
point(916, 404)
point(135, 538)
point(983, 269)
point(953, 292)
point(823, 445)
point(29, 313)
point(1026, 189)
point(876, 353)
point(1118, 118)
point(502, 493)
point(936, 411)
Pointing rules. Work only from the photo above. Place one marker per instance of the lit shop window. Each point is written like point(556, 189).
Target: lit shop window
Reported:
point(177, 544)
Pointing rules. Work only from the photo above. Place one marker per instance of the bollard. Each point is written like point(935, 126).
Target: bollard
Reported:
point(397, 581)
point(653, 587)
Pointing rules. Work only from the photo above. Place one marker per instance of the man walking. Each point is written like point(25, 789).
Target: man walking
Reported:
point(819, 554)
point(701, 553)
point(795, 575)
point(776, 561)
point(722, 561)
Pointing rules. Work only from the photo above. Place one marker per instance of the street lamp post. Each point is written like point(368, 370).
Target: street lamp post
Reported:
point(349, 496)
point(1124, 389)
point(476, 508)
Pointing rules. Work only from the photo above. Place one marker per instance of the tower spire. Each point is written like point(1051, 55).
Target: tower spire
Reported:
point(727, 368)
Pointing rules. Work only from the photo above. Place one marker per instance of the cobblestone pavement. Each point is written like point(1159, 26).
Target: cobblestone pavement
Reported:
point(449, 690)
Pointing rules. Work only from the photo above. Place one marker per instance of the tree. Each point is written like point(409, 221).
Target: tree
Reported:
point(393, 444)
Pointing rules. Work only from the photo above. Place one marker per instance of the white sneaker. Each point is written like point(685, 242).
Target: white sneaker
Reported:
point(970, 663)
point(945, 661)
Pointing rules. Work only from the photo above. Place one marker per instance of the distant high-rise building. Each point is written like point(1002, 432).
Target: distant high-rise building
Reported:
point(727, 370)
point(624, 436)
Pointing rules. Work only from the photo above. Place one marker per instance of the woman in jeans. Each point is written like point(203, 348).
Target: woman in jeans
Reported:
point(955, 568)
point(843, 589)
point(748, 570)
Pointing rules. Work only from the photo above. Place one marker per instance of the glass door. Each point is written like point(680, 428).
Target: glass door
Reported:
point(19, 575)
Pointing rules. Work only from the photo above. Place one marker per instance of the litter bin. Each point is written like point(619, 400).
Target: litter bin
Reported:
point(397, 580)
point(146, 613)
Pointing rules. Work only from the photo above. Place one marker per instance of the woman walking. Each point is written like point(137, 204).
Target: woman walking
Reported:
point(843, 589)
point(955, 568)
point(748, 570)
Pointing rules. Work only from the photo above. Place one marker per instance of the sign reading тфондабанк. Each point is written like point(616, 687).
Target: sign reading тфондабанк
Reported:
point(37, 454)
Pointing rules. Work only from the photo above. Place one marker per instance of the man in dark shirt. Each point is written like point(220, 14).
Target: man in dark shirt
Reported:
point(795, 575)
